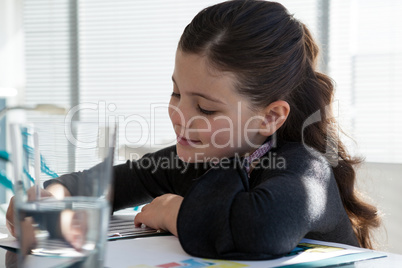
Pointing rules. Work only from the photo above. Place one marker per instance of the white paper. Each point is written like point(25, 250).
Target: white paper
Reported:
point(164, 250)
point(3, 235)
point(9, 241)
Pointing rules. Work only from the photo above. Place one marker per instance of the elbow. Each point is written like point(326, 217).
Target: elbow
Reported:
point(265, 243)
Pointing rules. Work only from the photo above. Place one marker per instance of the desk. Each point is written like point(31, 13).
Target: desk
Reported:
point(166, 251)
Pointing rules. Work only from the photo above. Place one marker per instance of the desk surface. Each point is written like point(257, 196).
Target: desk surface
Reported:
point(165, 251)
point(162, 251)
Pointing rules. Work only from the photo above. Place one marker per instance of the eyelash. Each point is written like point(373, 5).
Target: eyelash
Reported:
point(176, 95)
point(206, 112)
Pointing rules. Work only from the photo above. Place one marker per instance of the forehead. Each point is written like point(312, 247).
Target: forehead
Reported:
point(193, 73)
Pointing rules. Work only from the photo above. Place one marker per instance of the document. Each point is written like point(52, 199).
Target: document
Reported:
point(122, 226)
point(166, 251)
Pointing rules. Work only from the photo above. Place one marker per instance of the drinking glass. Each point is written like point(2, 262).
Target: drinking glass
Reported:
point(62, 229)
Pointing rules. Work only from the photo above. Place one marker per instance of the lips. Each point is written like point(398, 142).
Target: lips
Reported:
point(183, 141)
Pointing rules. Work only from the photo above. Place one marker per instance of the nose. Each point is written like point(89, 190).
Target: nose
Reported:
point(179, 115)
point(184, 117)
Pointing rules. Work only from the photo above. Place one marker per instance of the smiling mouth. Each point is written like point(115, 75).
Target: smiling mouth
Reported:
point(184, 141)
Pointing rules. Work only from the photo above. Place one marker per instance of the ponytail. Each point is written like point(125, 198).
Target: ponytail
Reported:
point(324, 137)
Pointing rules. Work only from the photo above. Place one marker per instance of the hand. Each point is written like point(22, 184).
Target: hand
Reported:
point(11, 259)
point(10, 210)
point(27, 232)
point(73, 224)
point(74, 227)
point(54, 190)
point(161, 213)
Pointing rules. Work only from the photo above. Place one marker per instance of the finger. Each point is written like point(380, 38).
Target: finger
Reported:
point(76, 238)
point(10, 217)
point(79, 229)
point(145, 207)
point(32, 193)
point(74, 227)
point(10, 227)
point(27, 236)
point(138, 220)
point(11, 259)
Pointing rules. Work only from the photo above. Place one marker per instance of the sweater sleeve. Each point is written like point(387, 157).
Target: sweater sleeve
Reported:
point(220, 217)
point(135, 182)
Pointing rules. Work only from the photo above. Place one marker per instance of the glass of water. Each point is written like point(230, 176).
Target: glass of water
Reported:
point(62, 230)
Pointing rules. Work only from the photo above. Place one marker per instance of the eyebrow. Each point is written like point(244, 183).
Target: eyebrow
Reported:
point(201, 95)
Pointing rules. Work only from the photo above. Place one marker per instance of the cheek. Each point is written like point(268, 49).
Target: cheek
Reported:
point(203, 128)
point(170, 111)
point(222, 132)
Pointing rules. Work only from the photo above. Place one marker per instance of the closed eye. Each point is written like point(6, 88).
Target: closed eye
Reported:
point(206, 112)
point(175, 95)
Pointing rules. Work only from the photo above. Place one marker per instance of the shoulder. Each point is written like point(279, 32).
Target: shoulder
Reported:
point(298, 151)
point(296, 160)
point(299, 155)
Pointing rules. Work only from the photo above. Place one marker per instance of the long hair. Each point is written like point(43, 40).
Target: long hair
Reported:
point(274, 57)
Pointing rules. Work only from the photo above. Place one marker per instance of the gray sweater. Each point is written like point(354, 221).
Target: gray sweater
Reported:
point(291, 194)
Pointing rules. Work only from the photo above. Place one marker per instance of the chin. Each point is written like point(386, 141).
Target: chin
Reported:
point(188, 157)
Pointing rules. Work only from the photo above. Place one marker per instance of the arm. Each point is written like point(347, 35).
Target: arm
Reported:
point(58, 190)
point(136, 182)
point(221, 218)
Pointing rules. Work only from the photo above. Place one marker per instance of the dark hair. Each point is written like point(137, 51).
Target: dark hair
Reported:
point(274, 58)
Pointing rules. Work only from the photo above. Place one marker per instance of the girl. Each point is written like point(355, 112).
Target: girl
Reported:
point(253, 171)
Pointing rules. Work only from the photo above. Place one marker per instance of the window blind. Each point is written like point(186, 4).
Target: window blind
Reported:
point(50, 73)
point(47, 52)
point(366, 63)
point(127, 51)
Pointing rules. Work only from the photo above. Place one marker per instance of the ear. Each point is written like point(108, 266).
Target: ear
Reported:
point(274, 115)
